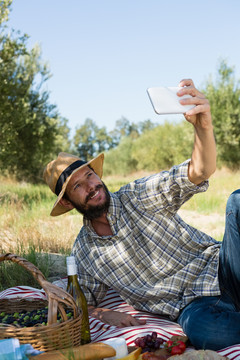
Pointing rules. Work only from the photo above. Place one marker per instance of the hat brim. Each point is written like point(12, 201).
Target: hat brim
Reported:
point(96, 164)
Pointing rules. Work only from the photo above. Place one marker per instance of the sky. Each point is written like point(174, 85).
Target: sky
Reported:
point(104, 54)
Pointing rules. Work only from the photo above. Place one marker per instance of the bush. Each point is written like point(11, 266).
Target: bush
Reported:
point(156, 149)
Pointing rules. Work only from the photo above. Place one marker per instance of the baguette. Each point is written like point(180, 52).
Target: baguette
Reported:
point(93, 351)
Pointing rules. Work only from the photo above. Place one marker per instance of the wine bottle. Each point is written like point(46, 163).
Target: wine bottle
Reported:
point(74, 289)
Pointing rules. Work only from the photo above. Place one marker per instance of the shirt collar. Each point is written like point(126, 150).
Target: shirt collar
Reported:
point(115, 207)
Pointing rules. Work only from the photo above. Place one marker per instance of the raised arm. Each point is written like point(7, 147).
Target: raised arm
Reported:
point(203, 159)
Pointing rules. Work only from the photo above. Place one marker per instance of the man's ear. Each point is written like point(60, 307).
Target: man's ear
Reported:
point(66, 203)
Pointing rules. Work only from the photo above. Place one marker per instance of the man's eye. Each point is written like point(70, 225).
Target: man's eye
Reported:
point(76, 186)
point(89, 174)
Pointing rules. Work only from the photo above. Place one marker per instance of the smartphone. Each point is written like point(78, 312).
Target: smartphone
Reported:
point(166, 101)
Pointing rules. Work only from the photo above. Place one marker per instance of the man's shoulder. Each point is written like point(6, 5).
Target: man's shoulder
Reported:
point(138, 182)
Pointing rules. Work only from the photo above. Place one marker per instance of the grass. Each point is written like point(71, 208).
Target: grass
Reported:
point(26, 228)
point(222, 184)
point(12, 274)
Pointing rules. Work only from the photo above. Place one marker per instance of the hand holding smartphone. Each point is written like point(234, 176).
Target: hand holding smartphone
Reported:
point(166, 101)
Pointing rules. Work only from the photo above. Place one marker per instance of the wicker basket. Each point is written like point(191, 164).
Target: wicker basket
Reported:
point(54, 335)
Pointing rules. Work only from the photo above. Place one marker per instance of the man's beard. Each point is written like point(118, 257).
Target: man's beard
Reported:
point(94, 211)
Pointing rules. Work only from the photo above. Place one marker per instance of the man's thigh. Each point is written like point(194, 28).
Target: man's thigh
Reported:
point(229, 264)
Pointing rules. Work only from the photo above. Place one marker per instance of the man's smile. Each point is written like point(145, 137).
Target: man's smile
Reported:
point(95, 193)
point(93, 196)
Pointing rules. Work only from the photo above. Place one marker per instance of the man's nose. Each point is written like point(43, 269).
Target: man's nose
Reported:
point(90, 185)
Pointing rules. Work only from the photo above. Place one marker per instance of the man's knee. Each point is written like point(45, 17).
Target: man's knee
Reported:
point(234, 201)
point(210, 323)
point(198, 329)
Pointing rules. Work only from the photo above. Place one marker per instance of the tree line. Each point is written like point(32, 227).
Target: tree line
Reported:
point(32, 131)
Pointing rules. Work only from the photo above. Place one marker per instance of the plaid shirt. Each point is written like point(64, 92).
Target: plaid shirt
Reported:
point(154, 260)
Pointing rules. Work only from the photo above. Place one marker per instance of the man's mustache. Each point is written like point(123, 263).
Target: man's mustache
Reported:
point(88, 197)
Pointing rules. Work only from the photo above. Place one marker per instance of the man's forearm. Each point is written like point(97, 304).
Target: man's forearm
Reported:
point(115, 318)
point(95, 312)
point(203, 160)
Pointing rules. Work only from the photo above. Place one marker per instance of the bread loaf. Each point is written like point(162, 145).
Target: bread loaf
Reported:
point(93, 351)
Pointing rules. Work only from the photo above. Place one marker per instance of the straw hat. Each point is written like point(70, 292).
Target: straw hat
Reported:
point(58, 173)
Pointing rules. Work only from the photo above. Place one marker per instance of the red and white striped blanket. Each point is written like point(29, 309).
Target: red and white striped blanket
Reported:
point(100, 331)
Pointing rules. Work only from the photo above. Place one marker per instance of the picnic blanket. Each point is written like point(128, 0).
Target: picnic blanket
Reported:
point(101, 331)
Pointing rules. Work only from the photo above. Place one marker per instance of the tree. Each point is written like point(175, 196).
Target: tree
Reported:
point(158, 148)
point(31, 129)
point(84, 139)
point(90, 140)
point(103, 141)
point(4, 10)
point(163, 146)
point(125, 128)
point(119, 160)
point(224, 98)
point(146, 125)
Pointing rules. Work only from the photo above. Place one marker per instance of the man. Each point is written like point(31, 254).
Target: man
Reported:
point(134, 241)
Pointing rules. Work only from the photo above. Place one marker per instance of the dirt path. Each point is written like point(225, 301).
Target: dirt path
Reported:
point(212, 224)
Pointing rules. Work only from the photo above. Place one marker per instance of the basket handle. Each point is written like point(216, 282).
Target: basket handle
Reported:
point(56, 296)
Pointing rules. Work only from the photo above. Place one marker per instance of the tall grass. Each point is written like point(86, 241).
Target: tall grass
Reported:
point(221, 185)
point(12, 274)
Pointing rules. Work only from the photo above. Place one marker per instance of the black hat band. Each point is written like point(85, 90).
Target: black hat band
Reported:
point(65, 174)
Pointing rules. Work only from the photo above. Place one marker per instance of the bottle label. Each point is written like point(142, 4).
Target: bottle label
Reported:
point(71, 269)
